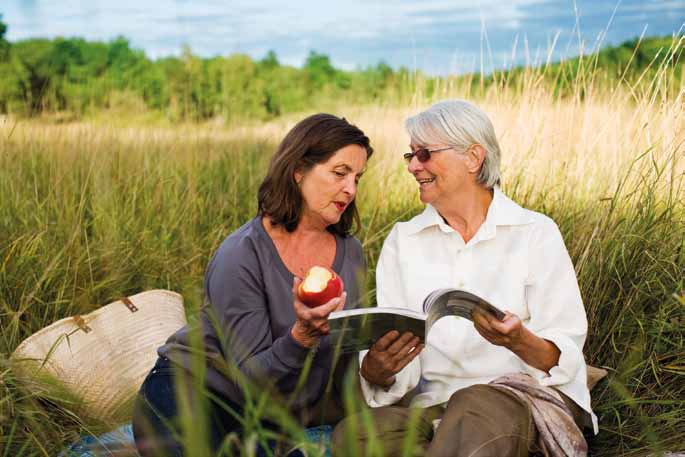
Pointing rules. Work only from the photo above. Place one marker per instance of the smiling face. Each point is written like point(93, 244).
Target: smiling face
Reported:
point(447, 173)
point(329, 187)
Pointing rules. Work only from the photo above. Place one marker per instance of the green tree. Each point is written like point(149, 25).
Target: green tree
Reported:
point(4, 44)
point(319, 69)
point(80, 76)
point(269, 62)
point(242, 88)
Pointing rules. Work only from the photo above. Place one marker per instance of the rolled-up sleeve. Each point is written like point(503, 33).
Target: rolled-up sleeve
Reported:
point(556, 308)
point(390, 293)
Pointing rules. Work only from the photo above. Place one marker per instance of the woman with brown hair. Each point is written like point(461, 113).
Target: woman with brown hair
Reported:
point(253, 330)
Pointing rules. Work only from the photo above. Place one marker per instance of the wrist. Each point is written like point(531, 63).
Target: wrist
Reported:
point(302, 338)
point(523, 344)
point(536, 352)
point(388, 383)
point(382, 383)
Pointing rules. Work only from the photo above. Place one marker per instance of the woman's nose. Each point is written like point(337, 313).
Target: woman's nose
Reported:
point(414, 165)
point(350, 187)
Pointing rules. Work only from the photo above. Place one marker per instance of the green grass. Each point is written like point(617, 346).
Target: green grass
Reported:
point(90, 212)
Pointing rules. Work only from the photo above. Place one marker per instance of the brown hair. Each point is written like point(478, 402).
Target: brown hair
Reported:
point(312, 141)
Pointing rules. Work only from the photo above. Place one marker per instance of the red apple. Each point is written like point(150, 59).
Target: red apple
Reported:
point(320, 285)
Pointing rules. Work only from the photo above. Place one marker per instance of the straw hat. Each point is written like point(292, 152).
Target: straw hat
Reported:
point(94, 364)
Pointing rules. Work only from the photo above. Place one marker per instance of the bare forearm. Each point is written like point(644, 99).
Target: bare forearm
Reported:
point(537, 352)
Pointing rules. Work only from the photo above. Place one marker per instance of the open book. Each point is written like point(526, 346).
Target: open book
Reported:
point(358, 329)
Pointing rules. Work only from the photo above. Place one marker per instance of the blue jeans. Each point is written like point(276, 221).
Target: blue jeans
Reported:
point(156, 427)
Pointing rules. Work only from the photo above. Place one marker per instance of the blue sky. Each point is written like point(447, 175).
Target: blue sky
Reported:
point(436, 36)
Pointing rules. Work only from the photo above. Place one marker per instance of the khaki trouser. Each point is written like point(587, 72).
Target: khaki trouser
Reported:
point(478, 421)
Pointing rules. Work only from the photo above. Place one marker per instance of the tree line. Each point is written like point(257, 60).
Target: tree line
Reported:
point(79, 77)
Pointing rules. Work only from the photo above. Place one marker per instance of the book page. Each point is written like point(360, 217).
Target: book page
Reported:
point(454, 302)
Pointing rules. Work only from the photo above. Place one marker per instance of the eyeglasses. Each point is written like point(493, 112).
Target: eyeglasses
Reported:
point(423, 154)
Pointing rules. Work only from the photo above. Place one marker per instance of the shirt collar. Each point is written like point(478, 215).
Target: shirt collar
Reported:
point(502, 212)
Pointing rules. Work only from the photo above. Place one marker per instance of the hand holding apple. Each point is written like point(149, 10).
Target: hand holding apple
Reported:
point(312, 323)
point(320, 285)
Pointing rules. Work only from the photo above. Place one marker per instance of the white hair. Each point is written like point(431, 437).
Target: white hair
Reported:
point(459, 124)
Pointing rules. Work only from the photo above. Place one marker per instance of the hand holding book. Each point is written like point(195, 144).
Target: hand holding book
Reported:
point(508, 332)
point(358, 329)
point(512, 334)
point(388, 356)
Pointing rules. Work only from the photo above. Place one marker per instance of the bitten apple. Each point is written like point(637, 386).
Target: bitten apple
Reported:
point(320, 285)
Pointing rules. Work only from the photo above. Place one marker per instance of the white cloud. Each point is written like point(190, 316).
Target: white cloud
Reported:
point(355, 32)
point(145, 22)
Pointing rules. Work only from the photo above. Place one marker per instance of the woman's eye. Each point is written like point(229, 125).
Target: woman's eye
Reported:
point(339, 173)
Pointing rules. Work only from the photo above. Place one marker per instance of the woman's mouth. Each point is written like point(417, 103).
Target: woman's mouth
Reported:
point(340, 206)
point(423, 182)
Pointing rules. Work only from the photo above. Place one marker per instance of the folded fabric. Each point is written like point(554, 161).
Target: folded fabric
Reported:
point(558, 435)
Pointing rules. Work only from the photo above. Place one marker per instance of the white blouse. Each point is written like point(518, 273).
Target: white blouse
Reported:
point(518, 262)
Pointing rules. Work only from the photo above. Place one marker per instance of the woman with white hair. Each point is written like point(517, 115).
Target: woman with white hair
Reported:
point(487, 388)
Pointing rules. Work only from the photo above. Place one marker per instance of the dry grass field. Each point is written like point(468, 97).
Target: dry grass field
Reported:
point(90, 211)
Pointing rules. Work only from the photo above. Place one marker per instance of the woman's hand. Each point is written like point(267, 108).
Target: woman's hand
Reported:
point(513, 335)
point(388, 356)
point(509, 332)
point(312, 323)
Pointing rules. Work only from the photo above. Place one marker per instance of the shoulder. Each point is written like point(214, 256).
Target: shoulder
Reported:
point(414, 225)
point(543, 227)
point(543, 235)
point(420, 227)
point(510, 213)
point(538, 221)
point(242, 241)
point(353, 249)
point(239, 251)
point(352, 242)
point(403, 232)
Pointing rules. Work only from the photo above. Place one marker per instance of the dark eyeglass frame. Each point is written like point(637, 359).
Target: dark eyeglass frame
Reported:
point(423, 154)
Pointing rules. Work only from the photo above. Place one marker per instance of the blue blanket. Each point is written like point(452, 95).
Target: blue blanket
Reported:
point(120, 442)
